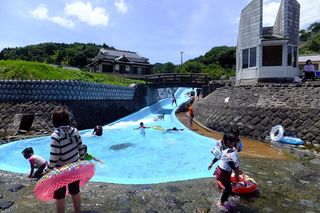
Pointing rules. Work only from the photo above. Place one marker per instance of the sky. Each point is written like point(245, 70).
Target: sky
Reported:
point(156, 29)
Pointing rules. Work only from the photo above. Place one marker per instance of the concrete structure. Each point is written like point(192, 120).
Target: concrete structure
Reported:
point(87, 102)
point(256, 109)
point(268, 54)
point(119, 61)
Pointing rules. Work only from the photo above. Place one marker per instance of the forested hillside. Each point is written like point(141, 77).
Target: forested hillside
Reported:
point(310, 39)
point(219, 61)
point(76, 54)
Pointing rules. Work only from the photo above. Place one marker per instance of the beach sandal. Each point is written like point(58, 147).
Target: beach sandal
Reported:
point(221, 207)
point(226, 206)
point(230, 204)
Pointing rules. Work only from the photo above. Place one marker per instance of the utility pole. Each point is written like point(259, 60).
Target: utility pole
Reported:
point(181, 57)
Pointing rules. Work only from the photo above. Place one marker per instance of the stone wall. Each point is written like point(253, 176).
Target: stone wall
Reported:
point(84, 114)
point(44, 90)
point(255, 109)
point(88, 103)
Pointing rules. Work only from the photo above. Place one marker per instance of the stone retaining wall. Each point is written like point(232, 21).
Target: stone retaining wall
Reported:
point(88, 103)
point(255, 109)
point(45, 90)
point(84, 114)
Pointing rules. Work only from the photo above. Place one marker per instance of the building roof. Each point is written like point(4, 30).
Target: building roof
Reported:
point(304, 58)
point(120, 57)
point(116, 54)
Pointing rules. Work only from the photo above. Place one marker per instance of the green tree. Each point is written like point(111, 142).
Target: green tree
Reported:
point(157, 68)
point(191, 67)
point(215, 71)
point(78, 60)
point(223, 55)
point(56, 53)
point(304, 35)
point(168, 67)
point(314, 27)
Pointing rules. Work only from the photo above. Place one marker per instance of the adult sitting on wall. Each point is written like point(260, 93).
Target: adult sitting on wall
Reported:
point(308, 70)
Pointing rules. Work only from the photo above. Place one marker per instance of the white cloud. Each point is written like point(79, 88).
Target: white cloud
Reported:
point(270, 10)
point(309, 12)
point(86, 13)
point(235, 21)
point(121, 6)
point(62, 21)
point(41, 12)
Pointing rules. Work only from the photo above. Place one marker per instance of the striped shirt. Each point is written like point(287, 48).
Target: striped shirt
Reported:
point(66, 147)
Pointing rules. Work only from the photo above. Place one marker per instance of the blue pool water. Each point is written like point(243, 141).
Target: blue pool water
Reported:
point(157, 157)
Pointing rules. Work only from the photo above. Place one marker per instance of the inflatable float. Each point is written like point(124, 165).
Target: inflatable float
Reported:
point(291, 140)
point(278, 134)
point(59, 177)
point(159, 128)
point(245, 185)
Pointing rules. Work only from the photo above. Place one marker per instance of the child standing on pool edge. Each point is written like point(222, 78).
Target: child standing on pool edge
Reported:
point(35, 161)
point(191, 114)
point(66, 148)
point(174, 100)
point(229, 161)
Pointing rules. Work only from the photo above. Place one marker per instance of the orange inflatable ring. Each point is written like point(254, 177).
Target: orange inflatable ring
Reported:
point(62, 176)
point(245, 185)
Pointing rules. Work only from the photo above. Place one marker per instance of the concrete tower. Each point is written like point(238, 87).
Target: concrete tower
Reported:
point(268, 54)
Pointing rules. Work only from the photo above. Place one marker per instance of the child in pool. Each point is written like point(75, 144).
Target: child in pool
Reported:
point(159, 117)
point(98, 130)
point(229, 161)
point(89, 156)
point(174, 129)
point(142, 128)
point(35, 161)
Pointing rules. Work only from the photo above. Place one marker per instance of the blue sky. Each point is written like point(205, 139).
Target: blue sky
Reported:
point(156, 29)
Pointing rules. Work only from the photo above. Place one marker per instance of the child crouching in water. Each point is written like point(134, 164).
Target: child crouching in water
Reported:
point(36, 161)
point(89, 156)
point(229, 160)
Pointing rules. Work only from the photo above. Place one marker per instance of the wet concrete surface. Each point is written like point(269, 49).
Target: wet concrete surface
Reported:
point(286, 184)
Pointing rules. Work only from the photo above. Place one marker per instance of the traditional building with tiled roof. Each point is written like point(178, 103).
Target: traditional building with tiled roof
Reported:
point(119, 61)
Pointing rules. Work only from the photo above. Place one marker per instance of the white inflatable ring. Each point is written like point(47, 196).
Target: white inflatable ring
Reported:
point(276, 133)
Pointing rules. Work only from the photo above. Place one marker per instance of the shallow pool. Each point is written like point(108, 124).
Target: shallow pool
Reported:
point(131, 158)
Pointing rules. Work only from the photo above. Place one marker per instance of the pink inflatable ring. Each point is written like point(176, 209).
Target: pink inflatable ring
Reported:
point(59, 177)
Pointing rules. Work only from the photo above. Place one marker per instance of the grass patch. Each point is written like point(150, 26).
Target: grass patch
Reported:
point(23, 70)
